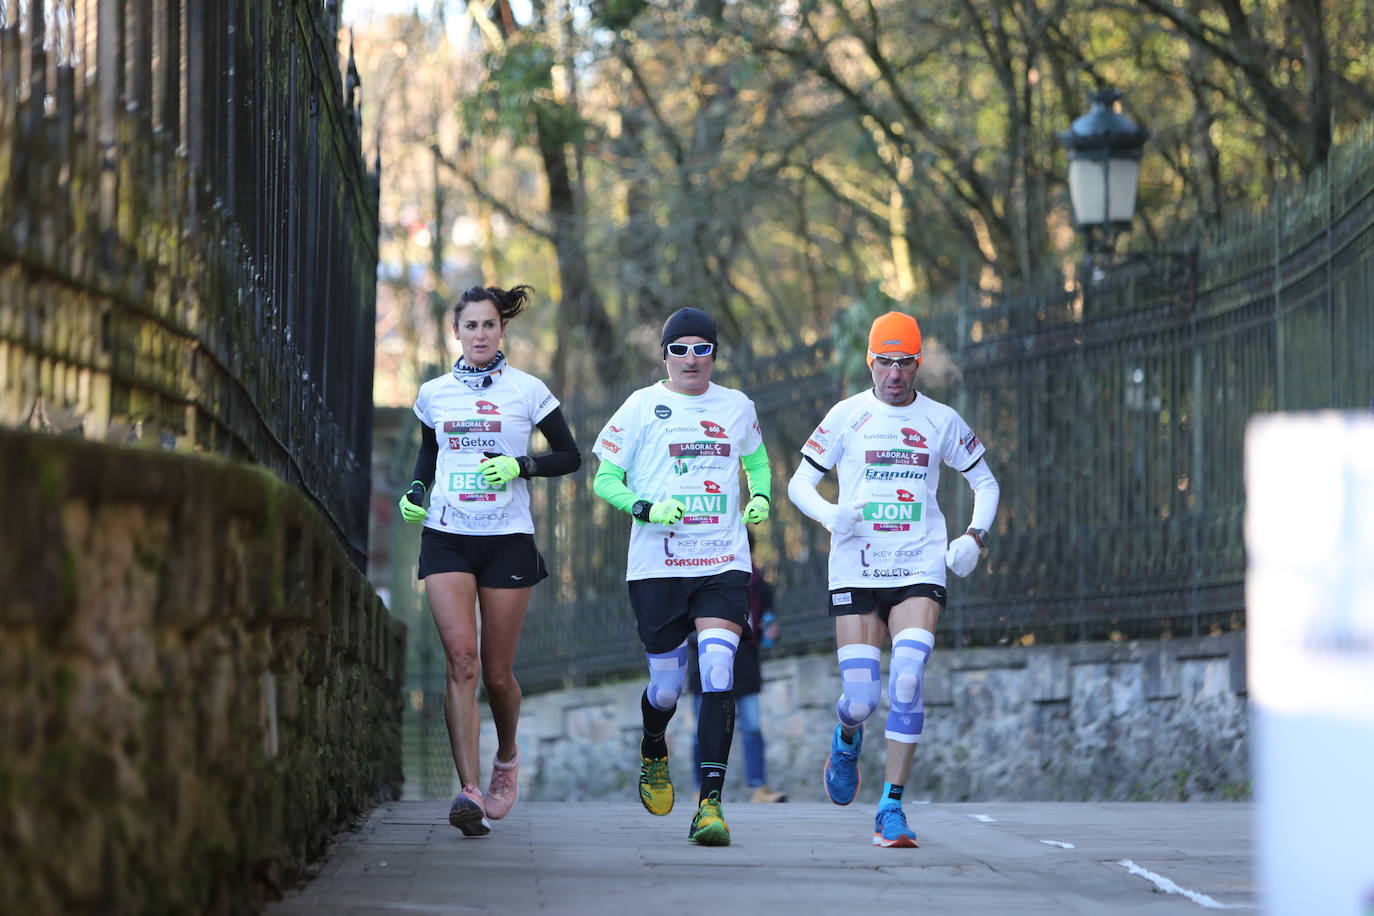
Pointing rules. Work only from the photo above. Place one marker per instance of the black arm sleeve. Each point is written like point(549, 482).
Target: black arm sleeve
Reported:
point(427, 457)
point(564, 457)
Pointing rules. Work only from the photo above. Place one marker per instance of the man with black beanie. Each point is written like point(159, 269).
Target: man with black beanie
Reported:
point(670, 458)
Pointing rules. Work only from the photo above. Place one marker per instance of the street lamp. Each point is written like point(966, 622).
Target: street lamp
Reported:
point(1104, 169)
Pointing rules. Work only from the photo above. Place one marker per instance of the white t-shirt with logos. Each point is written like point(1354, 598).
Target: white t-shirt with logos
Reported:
point(468, 424)
point(889, 458)
point(688, 447)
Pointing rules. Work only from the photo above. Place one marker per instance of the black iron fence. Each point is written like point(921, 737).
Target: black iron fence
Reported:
point(1113, 411)
point(188, 235)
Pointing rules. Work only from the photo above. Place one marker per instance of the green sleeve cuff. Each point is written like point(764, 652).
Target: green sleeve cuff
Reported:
point(758, 473)
point(610, 486)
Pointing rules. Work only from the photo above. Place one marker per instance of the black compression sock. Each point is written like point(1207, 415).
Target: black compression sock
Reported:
point(655, 727)
point(715, 730)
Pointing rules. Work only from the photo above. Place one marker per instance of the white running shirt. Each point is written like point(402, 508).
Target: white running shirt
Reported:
point(469, 423)
point(889, 458)
point(688, 447)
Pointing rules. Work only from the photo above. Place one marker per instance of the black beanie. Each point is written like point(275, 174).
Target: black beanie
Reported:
point(688, 322)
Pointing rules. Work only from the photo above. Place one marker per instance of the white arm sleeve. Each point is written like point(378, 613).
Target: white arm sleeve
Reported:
point(986, 493)
point(801, 489)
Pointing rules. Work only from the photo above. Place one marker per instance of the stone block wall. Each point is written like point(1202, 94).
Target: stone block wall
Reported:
point(1148, 721)
point(197, 687)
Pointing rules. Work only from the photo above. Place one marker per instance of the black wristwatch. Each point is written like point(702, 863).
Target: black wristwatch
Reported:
point(979, 535)
point(640, 509)
point(527, 466)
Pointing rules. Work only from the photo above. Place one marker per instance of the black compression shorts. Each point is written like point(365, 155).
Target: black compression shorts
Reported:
point(665, 608)
point(845, 601)
point(496, 560)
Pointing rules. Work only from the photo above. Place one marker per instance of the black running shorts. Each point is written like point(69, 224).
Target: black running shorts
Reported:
point(845, 601)
point(665, 608)
point(496, 560)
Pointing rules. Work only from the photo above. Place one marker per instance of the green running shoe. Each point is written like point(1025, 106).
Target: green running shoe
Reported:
point(655, 785)
point(708, 827)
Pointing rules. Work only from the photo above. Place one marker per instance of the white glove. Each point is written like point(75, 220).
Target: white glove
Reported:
point(842, 519)
point(962, 555)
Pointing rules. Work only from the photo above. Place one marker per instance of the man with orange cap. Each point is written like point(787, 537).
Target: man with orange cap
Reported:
point(888, 552)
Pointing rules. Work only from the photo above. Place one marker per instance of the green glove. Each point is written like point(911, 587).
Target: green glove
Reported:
point(411, 509)
point(757, 509)
point(666, 512)
point(499, 469)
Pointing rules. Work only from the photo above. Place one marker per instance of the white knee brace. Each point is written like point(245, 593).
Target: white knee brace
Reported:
point(859, 680)
point(667, 677)
point(716, 655)
point(906, 714)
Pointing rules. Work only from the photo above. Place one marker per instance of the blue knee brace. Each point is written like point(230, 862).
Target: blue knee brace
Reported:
point(667, 677)
point(907, 710)
point(859, 679)
point(716, 655)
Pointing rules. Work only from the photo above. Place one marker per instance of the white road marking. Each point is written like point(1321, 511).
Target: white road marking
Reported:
point(1057, 843)
point(983, 818)
point(1170, 887)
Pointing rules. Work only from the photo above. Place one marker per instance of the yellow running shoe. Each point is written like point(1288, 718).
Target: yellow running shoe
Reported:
point(708, 827)
point(655, 785)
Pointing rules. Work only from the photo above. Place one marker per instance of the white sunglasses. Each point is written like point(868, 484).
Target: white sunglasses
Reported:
point(883, 362)
point(699, 349)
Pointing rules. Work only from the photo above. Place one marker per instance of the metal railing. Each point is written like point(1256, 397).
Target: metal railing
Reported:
point(188, 235)
point(1113, 414)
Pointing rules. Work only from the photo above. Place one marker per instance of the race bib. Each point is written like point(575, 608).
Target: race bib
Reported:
point(708, 507)
point(896, 513)
point(894, 492)
point(464, 444)
point(470, 489)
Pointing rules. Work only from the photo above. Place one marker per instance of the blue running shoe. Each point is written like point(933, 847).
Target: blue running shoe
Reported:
point(842, 777)
point(890, 828)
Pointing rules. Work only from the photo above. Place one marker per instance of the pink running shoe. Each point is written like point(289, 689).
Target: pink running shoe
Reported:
point(469, 813)
point(504, 788)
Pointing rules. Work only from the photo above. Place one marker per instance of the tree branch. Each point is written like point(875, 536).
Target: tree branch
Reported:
point(480, 192)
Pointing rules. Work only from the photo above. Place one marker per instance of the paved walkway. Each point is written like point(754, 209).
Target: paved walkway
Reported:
point(617, 860)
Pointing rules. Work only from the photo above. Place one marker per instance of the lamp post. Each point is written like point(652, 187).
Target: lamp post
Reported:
point(1104, 149)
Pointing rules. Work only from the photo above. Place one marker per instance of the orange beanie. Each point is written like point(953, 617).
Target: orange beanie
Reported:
point(894, 331)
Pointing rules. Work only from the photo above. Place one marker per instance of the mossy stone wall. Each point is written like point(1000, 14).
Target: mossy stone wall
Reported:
point(197, 687)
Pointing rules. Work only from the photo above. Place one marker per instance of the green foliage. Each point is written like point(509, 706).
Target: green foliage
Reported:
point(789, 163)
point(52, 473)
point(512, 78)
point(1237, 791)
point(617, 15)
point(518, 86)
point(849, 331)
point(1180, 783)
